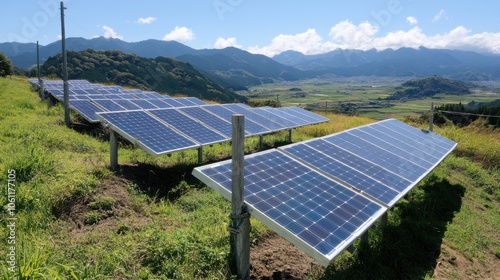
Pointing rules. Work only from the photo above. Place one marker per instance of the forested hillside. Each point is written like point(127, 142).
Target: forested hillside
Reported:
point(162, 74)
point(427, 87)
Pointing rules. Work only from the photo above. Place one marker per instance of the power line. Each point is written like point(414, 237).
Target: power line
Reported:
point(468, 114)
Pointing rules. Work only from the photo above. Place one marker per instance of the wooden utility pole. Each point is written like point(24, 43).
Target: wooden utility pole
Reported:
point(65, 69)
point(240, 219)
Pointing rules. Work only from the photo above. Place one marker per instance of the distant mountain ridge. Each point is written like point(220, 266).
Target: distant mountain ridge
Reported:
point(161, 74)
point(238, 69)
point(230, 67)
point(421, 62)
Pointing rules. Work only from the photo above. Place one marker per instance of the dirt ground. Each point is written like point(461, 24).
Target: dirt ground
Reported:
point(274, 257)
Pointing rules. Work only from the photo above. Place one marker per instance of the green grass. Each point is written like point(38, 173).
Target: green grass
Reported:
point(161, 223)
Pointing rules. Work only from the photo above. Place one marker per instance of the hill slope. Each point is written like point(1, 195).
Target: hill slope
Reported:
point(161, 74)
point(428, 87)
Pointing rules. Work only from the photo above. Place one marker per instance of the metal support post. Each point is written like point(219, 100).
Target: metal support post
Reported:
point(261, 142)
point(240, 220)
point(65, 69)
point(383, 221)
point(290, 135)
point(364, 238)
point(113, 150)
point(200, 155)
point(431, 117)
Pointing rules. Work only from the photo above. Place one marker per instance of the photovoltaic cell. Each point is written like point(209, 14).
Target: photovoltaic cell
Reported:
point(275, 118)
point(209, 120)
point(195, 130)
point(143, 103)
point(86, 109)
point(195, 100)
point(144, 130)
point(309, 116)
point(248, 113)
point(282, 114)
point(160, 103)
point(108, 104)
point(127, 104)
point(250, 127)
point(312, 211)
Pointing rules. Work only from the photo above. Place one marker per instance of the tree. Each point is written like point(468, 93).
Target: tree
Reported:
point(5, 66)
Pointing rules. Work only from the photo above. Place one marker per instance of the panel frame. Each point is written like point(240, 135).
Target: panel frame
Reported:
point(325, 260)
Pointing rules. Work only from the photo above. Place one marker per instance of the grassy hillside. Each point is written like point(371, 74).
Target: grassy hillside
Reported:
point(152, 220)
point(161, 74)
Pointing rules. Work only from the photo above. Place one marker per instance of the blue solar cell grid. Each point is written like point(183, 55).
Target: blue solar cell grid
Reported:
point(249, 114)
point(290, 197)
point(126, 104)
point(143, 103)
point(209, 120)
point(298, 120)
point(86, 109)
point(310, 116)
point(251, 128)
point(108, 104)
point(195, 130)
point(141, 128)
point(275, 118)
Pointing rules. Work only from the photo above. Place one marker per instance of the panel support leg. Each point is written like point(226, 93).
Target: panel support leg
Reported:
point(113, 150)
point(261, 142)
point(364, 238)
point(290, 135)
point(200, 155)
point(383, 221)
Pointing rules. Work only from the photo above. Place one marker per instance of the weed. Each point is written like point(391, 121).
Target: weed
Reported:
point(104, 203)
point(92, 217)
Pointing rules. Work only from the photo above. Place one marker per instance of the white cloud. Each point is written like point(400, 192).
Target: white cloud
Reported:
point(110, 33)
point(440, 15)
point(180, 34)
point(308, 42)
point(147, 20)
point(224, 43)
point(412, 20)
point(346, 35)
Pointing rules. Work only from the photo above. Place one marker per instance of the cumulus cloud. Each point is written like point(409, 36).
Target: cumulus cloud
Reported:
point(309, 42)
point(110, 33)
point(412, 20)
point(228, 42)
point(440, 15)
point(147, 20)
point(347, 35)
point(180, 33)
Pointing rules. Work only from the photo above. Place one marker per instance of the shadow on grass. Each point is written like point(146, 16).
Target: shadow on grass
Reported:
point(160, 182)
point(408, 247)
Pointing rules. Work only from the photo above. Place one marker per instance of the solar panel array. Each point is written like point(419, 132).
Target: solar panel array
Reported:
point(201, 125)
point(87, 98)
point(324, 193)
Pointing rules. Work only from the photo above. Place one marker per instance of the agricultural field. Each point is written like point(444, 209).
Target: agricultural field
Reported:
point(150, 219)
point(362, 96)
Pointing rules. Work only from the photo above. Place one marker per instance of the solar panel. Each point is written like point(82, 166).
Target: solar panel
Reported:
point(86, 109)
point(309, 116)
point(174, 103)
point(251, 128)
point(143, 103)
point(275, 118)
point(209, 120)
point(296, 188)
point(185, 101)
point(309, 209)
point(108, 104)
point(194, 129)
point(144, 130)
point(126, 104)
point(282, 114)
point(160, 103)
point(195, 100)
point(249, 114)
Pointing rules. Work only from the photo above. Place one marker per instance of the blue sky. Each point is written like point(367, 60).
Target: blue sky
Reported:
point(267, 27)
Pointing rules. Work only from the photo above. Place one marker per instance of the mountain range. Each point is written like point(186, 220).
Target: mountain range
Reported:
point(237, 69)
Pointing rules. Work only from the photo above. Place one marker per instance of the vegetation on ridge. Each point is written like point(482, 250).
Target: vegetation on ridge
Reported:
point(161, 74)
point(427, 87)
